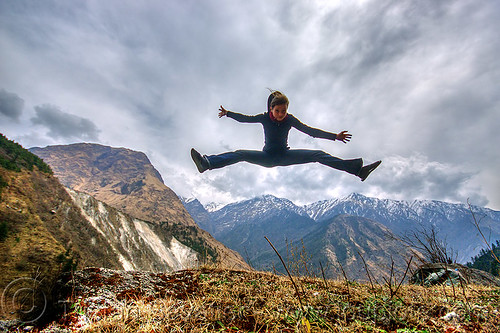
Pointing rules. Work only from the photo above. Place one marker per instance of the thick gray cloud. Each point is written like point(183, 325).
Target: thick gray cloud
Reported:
point(419, 178)
point(415, 82)
point(11, 105)
point(62, 125)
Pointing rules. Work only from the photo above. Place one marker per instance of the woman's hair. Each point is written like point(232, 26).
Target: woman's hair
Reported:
point(276, 98)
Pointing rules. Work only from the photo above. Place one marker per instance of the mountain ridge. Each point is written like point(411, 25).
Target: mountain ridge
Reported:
point(121, 177)
point(354, 196)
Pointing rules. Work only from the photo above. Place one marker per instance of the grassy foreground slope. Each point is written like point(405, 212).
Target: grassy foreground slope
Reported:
point(214, 300)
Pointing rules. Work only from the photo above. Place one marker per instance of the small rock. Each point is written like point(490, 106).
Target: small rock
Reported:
point(450, 316)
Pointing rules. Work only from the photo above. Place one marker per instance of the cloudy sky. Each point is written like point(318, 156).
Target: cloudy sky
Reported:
point(415, 82)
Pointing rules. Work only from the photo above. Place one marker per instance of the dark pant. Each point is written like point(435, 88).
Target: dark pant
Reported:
point(283, 158)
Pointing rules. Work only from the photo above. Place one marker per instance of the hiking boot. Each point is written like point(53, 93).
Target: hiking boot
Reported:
point(200, 161)
point(367, 169)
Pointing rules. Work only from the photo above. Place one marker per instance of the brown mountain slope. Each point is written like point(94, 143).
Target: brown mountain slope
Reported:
point(355, 241)
point(126, 180)
point(123, 178)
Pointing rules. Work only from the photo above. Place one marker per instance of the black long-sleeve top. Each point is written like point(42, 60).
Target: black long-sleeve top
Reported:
point(276, 132)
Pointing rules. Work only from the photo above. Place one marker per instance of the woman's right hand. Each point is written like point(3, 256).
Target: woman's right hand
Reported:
point(223, 112)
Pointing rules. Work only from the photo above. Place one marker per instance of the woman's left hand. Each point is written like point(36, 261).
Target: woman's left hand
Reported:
point(223, 112)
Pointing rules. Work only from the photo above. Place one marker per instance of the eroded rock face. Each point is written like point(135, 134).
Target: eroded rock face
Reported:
point(140, 245)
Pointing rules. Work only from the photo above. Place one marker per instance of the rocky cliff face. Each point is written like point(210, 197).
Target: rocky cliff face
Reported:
point(125, 180)
point(138, 244)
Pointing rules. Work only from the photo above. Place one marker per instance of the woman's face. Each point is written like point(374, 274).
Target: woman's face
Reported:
point(279, 111)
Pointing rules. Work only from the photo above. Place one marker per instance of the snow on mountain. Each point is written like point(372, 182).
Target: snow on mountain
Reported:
point(187, 200)
point(391, 213)
point(213, 206)
point(264, 203)
point(454, 223)
point(258, 204)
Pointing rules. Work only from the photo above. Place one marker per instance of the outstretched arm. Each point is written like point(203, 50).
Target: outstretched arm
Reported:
point(242, 118)
point(317, 133)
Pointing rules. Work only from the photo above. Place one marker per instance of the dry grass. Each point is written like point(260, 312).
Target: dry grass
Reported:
point(241, 301)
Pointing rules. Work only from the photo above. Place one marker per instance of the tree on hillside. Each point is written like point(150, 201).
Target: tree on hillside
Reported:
point(486, 261)
point(14, 157)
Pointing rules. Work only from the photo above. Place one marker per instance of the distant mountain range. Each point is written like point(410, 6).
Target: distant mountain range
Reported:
point(342, 230)
point(453, 222)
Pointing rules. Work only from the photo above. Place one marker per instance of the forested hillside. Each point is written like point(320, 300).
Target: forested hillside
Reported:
point(14, 157)
point(488, 261)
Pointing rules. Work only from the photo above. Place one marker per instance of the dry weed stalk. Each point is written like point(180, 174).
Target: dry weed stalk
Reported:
point(368, 274)
point(323, 275)
point(391, 283)
point(289, 275)
point(476, 223)
point(345, 279)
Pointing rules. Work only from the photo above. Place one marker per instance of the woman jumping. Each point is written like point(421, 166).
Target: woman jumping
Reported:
point(277, 124)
